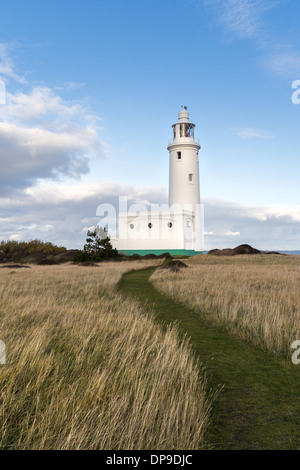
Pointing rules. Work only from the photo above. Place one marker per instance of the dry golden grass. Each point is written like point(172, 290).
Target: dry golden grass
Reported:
point(87, 369)
point(257, 297)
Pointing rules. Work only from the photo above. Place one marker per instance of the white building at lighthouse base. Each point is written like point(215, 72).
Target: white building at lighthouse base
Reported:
point(158, 232)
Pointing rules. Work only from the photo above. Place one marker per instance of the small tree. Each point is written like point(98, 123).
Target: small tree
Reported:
point(98, 247)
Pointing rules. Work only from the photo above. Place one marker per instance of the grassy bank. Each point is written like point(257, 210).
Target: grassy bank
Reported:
point(256, 297)
point(258, 405)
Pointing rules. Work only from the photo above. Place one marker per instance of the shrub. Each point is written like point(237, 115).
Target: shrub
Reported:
point(96, 249)
point(14, 250)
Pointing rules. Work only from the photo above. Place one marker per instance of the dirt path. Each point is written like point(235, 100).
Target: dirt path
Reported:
point(259, 405)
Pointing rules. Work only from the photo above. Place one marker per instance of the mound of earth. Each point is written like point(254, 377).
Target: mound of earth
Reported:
point(135, 257)
point(225, 252)
point(40, 258)
point(88, 264)
point(47, 262)
point(239, 250)
point(15, 266)
point(245, 250)
point(65, 256)
point(165, 256)
point(174, 266)
point(150, 256)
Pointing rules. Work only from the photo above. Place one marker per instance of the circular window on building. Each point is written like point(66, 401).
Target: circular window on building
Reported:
point(150, 225)
point(131, 226)
point(170, 225)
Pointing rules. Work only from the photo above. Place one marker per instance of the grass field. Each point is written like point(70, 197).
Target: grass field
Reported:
point(256, 297)
point(94, 360)
point(88, 368)
point(258, 406)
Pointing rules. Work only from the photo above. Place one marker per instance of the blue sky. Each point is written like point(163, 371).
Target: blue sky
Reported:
point(93, 88)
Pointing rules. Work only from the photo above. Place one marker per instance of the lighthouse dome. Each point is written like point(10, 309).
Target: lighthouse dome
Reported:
point(183, 115)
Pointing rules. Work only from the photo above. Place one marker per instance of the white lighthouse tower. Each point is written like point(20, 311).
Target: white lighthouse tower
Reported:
point(184, 188)
point(184, 185)
point(177, 230)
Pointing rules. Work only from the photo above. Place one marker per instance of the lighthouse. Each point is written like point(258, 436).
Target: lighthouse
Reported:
point(184, 188)
point(184, 184)
point(177, 230)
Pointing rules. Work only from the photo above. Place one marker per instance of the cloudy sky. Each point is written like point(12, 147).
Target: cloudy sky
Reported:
point(93, 87)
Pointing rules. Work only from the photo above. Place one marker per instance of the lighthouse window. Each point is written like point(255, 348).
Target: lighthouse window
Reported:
point(186, 130)
point(150, 225)
point(131, 226)
point(179, 155)
point(170, 225)
point(191, 177)
point(174, 132)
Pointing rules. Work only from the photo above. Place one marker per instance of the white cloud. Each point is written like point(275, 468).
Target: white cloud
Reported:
point(28, 154)
point(38, 104)
point(249, 133)
point(241, 18)
point(279, 212)
point(232, 234)
point(62, 85)
point(283, 61)
point(246, 19)
point(267, 228)
point(36, 227)
point(7, 66)
point(44, 136)
point(91, 228)
point(62, 214)
point(15, 237)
